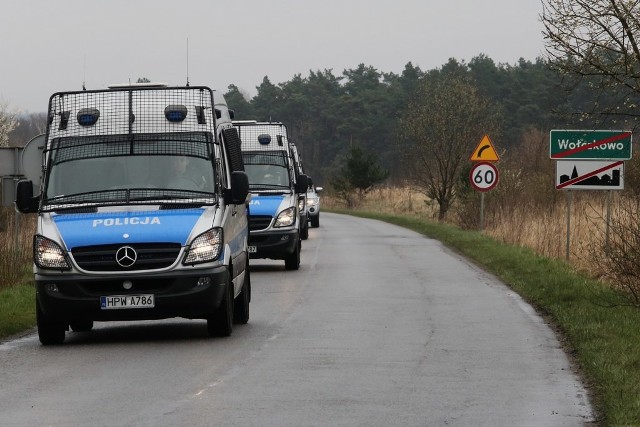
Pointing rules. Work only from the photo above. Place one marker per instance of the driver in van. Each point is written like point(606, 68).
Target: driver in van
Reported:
point(181, 179)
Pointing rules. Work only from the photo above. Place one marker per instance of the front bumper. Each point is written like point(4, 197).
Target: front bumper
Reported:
point(274, 245)
point(176, 294)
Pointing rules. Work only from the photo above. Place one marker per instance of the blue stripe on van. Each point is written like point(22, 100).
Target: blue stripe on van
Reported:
point(265, 205)
point(126, 227)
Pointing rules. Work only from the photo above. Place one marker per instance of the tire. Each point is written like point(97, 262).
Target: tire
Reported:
point(50, 331)
point(304, 231)
point(241, 303)
point(81, 325)
point(292, 261)
point(315, 221)
point(220, 323)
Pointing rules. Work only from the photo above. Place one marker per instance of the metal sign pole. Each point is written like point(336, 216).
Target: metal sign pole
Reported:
point(608, 224)
point(482, 211)
point(569, 205)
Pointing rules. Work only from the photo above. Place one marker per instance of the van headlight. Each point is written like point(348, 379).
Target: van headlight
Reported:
point(205, 248)
point(286, 218)
point(49, 254)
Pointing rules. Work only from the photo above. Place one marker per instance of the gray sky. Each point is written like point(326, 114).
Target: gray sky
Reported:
point(49, 46)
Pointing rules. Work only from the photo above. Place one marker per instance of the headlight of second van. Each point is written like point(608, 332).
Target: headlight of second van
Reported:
point(204, 248)
point(286, 218)
point(48, 254)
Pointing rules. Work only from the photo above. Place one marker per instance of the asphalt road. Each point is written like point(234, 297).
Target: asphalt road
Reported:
point(379, 327)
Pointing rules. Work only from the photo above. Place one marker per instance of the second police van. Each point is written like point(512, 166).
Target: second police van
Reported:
point(276, 185)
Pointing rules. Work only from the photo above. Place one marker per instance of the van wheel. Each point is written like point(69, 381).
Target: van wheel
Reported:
point(81, 325)
point(220, 323)
point(292, 261)
point(304, 231)
point(241, 303)
point(315, 221)
point(50, 331)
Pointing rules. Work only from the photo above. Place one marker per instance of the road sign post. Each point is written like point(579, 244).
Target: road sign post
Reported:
point(589, 175)
point(483, 176)
point(485, 151)
point(589, 160)
point(590, 144)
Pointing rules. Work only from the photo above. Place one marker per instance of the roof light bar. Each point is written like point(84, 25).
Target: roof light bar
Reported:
point(88, 116)
point(175, 113)
point(264, 139)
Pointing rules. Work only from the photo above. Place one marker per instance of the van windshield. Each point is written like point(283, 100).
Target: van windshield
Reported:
point(106, 170)
point(267, 170)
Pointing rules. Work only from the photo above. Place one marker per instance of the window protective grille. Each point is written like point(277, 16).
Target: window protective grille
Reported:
point(131, 123)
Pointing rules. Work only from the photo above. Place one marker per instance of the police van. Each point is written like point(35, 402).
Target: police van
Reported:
point(275, 221)
point(141, 212)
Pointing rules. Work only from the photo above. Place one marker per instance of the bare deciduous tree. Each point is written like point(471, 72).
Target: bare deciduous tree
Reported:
point(8, 121)
point(597, 42)
point(441, 127)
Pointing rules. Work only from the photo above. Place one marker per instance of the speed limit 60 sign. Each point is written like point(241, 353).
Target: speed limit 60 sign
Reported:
point(483, 176)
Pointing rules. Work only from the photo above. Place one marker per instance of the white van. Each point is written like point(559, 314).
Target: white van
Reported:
point(275, 222)
point(141, 211)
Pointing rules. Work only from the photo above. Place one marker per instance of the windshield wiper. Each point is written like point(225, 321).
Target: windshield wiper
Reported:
point(268, 187)
point(164, 195)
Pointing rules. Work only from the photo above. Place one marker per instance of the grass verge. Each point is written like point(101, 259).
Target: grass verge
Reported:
point(17, 309)
point(600, 333)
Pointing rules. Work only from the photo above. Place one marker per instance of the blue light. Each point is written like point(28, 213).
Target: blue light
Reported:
point(88, 116)
point(264, 139)
point(175, 113)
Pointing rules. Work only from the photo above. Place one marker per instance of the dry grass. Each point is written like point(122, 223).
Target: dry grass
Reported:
point(15, 247)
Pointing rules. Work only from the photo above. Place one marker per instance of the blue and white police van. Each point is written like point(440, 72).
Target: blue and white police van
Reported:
point(275, 222)
point(142, 210)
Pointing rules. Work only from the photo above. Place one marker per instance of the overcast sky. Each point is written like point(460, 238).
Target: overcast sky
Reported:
point(49, 46)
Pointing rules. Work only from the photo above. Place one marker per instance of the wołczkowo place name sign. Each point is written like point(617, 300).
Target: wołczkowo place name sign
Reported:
point(590, 144)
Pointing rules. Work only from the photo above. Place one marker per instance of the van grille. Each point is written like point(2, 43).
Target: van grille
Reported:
point(150, 256)
point(259, 222)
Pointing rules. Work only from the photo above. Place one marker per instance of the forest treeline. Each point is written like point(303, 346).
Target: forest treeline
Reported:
point(329, 113)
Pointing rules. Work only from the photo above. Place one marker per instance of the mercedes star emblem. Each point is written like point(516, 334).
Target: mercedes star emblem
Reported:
point(126, 256)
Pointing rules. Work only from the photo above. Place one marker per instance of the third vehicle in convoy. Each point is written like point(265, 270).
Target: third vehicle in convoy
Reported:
point(313, 204)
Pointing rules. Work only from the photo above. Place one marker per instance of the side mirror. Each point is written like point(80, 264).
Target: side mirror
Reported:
point(239, 187)
point(302, 184)
point(319, 189)
point(25, 201)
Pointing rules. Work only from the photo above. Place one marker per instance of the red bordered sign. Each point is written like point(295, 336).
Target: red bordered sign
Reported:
point(483, 176)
